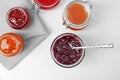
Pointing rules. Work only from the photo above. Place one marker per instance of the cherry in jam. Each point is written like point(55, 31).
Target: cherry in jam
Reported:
point(47, 4)
point(11, 44)
point(62, 52)
point(18, 18)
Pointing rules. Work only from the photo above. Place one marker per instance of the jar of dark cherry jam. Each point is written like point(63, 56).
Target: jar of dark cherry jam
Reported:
point(63, 54)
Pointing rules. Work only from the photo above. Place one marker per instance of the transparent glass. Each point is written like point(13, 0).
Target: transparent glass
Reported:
point(74, 14)
point(68, 49)
point(18, 18)
point(47, 4)
point(63, 54)
point(32, 36)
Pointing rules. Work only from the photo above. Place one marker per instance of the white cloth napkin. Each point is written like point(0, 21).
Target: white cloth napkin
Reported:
point(32, 36)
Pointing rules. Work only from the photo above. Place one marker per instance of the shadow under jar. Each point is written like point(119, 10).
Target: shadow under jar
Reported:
point(77, 14)
point(63, 54)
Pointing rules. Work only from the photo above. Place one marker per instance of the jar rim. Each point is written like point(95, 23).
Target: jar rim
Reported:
point(27, 16)
point(71, 65)
point(68, 22)
point(47, 6)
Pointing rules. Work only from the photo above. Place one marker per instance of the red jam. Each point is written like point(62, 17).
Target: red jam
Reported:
point(11, 44)
point(18, 18)
point(63, 53)
point(47, 4)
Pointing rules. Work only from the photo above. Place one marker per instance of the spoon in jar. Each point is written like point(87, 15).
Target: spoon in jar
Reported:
point(110, 45)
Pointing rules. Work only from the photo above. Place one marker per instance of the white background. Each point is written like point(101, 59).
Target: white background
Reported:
point(98, 64)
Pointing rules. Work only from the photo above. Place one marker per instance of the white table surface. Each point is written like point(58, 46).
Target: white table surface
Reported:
point(98, 64)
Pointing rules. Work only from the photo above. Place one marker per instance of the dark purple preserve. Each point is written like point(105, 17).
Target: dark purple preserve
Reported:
point(62, 52)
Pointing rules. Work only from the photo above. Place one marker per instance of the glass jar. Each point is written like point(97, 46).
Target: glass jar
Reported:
point(63, 54)
point(68, 49)
point(11, 44)
point(46, 4)
point(77, 14)
point(18, 18)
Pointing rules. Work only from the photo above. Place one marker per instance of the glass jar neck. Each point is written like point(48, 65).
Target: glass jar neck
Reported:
point(36, 8)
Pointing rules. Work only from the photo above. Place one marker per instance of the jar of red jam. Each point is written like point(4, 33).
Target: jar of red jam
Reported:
point(11, 44)
point(18, 18)
point(63, 54)
point(77, 14)
point(46, 4)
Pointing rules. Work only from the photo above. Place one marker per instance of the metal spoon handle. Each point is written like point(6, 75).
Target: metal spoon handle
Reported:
point(97, 46)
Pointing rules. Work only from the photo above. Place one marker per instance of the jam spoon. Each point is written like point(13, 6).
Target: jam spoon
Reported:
point(110, 45)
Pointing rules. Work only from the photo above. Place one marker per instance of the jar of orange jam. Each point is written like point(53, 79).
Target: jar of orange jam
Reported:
point(77, 14)
point(11, 44)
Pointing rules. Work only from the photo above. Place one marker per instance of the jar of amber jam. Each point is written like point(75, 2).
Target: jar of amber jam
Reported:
point(77, 14)
point(63, 54)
